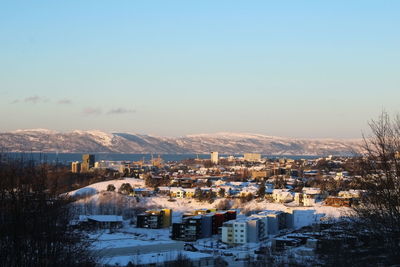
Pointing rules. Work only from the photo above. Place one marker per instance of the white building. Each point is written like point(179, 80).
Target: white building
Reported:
point(282, 195)
point(235, 231)
point(352, 193)
point(312, 195)
point(276, 220)
point(241, 231)
point(214, 157)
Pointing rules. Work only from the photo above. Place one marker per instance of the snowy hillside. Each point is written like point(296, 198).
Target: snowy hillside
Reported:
point(43, 140)
point(102, 186)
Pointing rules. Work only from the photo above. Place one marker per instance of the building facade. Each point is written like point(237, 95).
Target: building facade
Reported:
point(76, 167)
point(214, 157)
point(155, 219)
point(252, 157)
point(88, 161)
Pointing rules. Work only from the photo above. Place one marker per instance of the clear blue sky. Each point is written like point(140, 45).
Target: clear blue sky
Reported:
point(288, 68)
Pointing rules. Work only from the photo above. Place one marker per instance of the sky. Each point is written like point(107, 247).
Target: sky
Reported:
point(314, 69)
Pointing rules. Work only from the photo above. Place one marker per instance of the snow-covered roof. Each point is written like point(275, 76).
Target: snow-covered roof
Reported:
point(100, 218)
point(164, 188)
point(311, 190)
point(142, 190)
point(176, 189)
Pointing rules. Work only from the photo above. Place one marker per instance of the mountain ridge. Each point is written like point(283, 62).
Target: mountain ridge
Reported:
point(95, 141)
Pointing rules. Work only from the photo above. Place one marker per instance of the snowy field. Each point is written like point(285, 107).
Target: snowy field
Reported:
point(130, 237)
point(153, 258)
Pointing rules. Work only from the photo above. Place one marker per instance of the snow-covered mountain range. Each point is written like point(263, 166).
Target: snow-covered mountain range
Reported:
point(43, 140)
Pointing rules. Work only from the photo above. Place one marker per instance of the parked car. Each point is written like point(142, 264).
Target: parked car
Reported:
point(189, 247)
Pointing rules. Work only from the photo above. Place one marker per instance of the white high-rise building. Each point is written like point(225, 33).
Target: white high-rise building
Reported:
point(214, 157)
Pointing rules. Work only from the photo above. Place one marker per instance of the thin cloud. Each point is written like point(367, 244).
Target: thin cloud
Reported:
point(33, 99)
point(118, 111)
point(91, 111)
point(64, 101)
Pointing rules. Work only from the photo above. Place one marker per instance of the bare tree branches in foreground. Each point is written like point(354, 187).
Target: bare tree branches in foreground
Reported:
point(375, 224)
point(380, 212)
point(34, 223)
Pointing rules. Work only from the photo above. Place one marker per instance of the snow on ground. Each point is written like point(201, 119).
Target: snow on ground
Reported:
point(149, 234)
point(153, 258)
point(130, 238)
point(179, 205)
point(187, 205)
point(329, 212)
point(101, 186)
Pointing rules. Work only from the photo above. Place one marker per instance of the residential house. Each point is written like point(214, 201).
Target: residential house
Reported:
point(100, 221)
point(282, 195)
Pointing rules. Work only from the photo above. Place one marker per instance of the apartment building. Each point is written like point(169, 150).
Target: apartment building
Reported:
point(155, 219)
point(87, 162)
point(253, 229)
point(76, 167)
point(253, 157)
point(214, 157)
point(192, 228)
point(201, 223)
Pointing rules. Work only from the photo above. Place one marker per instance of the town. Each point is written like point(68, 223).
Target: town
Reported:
point(232, 210)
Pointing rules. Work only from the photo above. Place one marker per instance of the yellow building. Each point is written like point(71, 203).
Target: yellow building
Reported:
point(167, 218)
point(258, 174)
point(252, 156)
point(76, 167)
point(204, 211)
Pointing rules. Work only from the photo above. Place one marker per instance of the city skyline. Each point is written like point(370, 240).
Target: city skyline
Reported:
point(294, 69)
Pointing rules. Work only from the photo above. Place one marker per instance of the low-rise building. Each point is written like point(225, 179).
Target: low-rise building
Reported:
point(309, 196)
point(142, 192)
point(282, 195)
point(177, 192)
point(312, 195)
point(100, 221)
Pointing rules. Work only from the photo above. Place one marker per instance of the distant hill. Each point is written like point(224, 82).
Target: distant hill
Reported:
point(43, 140)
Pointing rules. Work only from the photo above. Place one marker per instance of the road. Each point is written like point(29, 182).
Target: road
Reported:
point(133, 250)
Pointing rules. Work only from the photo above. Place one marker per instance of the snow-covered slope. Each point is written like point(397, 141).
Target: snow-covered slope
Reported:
point(102, 186)
point(43, 140)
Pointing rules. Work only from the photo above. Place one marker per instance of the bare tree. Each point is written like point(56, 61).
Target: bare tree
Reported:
point(372, 231)
point(35, 225)
point(379, 213)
